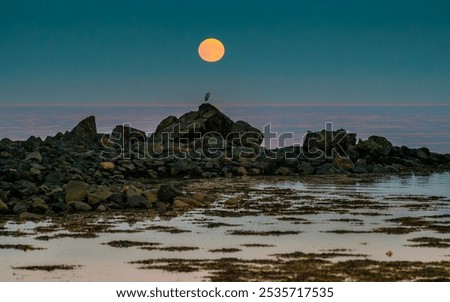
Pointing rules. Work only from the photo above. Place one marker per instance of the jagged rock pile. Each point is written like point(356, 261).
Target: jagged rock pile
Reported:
point(82, 170)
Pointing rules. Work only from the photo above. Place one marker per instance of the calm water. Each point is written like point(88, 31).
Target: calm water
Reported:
point(413, 126)
point(100, 262)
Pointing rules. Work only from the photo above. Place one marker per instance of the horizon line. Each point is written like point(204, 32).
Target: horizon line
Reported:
point(227, 104)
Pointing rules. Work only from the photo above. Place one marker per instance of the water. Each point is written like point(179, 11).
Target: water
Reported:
point(357, 205)
point(411, 125)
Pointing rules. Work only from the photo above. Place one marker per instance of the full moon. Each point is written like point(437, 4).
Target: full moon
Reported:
point(211, 50)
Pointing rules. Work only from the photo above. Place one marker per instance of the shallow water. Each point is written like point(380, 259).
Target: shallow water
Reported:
point(323, 213)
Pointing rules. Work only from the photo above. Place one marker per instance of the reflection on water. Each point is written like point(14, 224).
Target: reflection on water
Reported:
point(319, 214)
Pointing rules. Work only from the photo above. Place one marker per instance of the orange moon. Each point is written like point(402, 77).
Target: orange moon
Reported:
point(211, 50)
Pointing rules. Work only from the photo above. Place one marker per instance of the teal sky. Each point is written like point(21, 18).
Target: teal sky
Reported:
point(276, 51)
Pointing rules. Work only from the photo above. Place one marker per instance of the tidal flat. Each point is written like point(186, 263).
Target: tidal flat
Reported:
point(310, 228)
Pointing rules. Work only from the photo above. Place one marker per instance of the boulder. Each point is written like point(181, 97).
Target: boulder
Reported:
point(20, 207)
point(107, 165)
point(3, 207)
point(124, 134)
point(180, 204)
point(26, 187)
point(189, 201)
point(198, 197)
point(282, 171)
point(305, 168)
point(245, 134)
point(29, 216)
point(167, 193)
point(102, 193)
point(76, 191)
point(386, 145)
point(374, 146)
point(151, 196)
point(328, 142)
point(241, 171)
point(360, 166)
point(343, 163)
point(39, 206)
point(138, 201)
point(34, 156)
point(85, 131)
point(79, 206)
point(208, 120)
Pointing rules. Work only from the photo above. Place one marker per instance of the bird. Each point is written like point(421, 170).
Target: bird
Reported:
point(207, 96)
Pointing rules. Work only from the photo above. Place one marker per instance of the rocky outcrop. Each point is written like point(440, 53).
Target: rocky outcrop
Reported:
point(209, 123)
point(82, 170)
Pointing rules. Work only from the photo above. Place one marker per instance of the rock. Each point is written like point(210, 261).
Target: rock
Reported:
point(29, 216)
point(38, 166)
point(20, 207)
point(360, 166)
point(376, 169)
point(247, 135)
point(39, 206)
point(180, 204)
point(3, 207)
point(168, 193)
point(198, 197)
point(101, 208)
point(208, 123)
point(76, 191)
point(60, 207)
point(137, 201)
point(79, 206)
point(5, 154)
point(151, 196)
point(233, 202)
point(386, 145)
point(327, 141)
point(305, 168)
point(375, 146)
point(189, 201)
point(4, 195)
point(102, 193)
point(253, 171)
point(54, 178)
point(390, 169)
point(422, 153)
point(124, 134)
point(107, 165)
point(369, 147)
point(26, 187)
point(282, 171)
point(34, 156)
point(128, 165)
point(326, 168)
point(34, 171)
point(343, 163)
point(85, 131)
point(241, 171)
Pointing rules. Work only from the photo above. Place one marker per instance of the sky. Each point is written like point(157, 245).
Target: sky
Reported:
point(317, 51)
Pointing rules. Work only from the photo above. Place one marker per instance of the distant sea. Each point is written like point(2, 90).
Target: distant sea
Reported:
point(411, 125)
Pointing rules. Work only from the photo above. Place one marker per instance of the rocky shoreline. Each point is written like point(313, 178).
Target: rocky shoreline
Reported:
point(82, 170)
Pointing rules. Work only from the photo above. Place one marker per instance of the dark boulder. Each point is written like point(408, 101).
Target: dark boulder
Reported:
point(124, 134)
point(167, 193)
point(328, 143)
point(207, 123)
point(85, 131)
